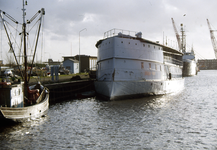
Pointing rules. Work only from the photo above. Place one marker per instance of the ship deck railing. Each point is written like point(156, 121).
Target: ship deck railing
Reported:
point(173, 61)
point(114, 32)
point(131, 34)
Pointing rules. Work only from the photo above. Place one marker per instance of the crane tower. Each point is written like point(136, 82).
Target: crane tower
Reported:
point(214, 44)
point(177, 34)
point(180, 39)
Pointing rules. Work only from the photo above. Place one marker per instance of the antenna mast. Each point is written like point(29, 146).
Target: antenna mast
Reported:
point(183, 44)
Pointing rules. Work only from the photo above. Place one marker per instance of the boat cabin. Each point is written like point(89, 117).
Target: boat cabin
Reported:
point(11, 95)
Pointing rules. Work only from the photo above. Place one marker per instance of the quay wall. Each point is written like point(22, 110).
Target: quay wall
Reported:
point(69, 90)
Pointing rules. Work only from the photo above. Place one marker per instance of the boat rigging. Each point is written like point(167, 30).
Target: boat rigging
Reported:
point(20, 101)
point(24, 34)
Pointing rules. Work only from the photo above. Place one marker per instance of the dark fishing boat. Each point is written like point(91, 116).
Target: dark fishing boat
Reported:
point(18, 100)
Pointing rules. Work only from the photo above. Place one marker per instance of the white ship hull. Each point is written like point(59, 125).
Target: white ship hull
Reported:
point(131, 66)
point(189, 68)
point(125, 89)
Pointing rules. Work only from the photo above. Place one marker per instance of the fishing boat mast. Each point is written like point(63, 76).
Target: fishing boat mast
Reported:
point(24, 45)
point(42, 12)
point(25, 34)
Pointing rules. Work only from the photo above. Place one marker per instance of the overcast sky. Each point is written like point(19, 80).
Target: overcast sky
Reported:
point(64, 19)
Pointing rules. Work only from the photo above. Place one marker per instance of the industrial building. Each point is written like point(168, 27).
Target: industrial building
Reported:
point(207, 64)
point(87, 62)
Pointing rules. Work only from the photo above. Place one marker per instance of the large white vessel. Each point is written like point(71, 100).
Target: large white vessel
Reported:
point(189, 64)
point(130, 66)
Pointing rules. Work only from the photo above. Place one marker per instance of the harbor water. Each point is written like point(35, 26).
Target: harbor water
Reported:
point(184, 120)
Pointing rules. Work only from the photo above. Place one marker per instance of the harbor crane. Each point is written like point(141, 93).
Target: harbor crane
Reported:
point(177, 34)
point(180, 40)
point(214, 43)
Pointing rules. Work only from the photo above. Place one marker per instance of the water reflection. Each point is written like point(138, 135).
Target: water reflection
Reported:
point(185, 120)
point(91, 123)
point(14, 133)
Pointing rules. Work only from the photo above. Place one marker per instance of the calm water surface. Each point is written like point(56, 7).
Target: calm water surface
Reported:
point(185, 120)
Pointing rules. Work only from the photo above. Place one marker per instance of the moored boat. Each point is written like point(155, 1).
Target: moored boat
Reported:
point(130, 66)
point(19, 101)
point(15, 107)
point(189, 64)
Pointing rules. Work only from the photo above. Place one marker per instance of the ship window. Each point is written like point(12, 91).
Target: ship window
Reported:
point(129, 42)
point(135, 43)
point(155, 66)
point(122, 42)
point(142, 65)
point(148, 45)
point(154, 47)
point(143, 45)
point(159, 47)
point(149, 65)
point(160, 67)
